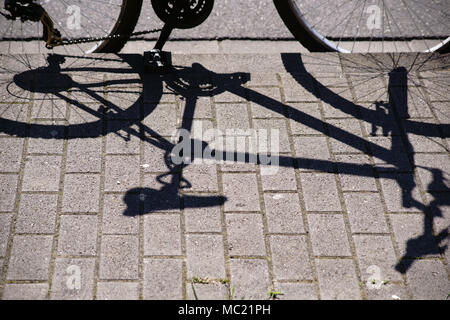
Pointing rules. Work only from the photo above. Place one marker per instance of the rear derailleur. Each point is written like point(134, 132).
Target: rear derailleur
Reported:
point(29, 10)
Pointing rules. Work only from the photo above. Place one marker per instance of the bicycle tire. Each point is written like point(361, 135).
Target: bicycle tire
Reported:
point(77, 22)
point(128, 18)
point(314, 41)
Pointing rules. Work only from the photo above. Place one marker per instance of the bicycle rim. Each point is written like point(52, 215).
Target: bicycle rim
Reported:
point(369, 25)
point(75, 20)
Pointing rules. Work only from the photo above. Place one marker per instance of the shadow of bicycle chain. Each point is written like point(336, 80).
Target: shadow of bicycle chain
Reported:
point(196, 81)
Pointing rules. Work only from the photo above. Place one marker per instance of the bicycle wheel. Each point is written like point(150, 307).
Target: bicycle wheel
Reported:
point(82, 19)
point(368, 25)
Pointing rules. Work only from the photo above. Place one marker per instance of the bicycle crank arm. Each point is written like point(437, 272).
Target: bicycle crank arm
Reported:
point(52, 36)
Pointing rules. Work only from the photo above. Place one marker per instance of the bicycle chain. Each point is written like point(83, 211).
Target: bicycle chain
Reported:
point(66, 42)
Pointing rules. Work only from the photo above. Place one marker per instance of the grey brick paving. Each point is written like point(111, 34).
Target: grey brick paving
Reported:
point(117, 291)
point(78, 235)
point(162, 235)
point(42, 173)
point(162, 279)
point(328, 235)
point(30, 258)
point(361, 187)
point(81, 193)
point(37, 213)
point(65, 283)
point(337, 279)
point(245, 235)
point(119, 257)
point(209, 261)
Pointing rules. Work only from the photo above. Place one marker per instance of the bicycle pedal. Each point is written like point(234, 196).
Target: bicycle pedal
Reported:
point(157, 61)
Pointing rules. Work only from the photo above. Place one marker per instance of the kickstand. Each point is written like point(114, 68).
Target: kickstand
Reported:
point(157, 60)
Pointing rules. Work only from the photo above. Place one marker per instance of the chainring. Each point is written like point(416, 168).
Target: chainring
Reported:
point(192, 14)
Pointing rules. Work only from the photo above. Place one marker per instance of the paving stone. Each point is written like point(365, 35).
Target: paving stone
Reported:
point(154, 158)
point(161, 193)
point(423, 138)
point(241, 192)
point(232, 91)
point(411, 104)
point(250, 278)
point(8, 186)
point(441, 110)
point(388, 291)
point(369, 87)
point(301, 125)
point(205, 257)
point(84, 155)
point(18, 116)
point(232, 116)
point(123, 103)
point(5, 228)
point(263, 79)
point(328, 235)
point(283, 212)
point(365, 213)
point(117, 291)
point(119, 257)
point(119, 139)
point(73, 279)
point(298, 87)
point(320, 192)
point(203, 177)
point(202, 108)
point(121, 173)
point(49, 108)
point(337, 279)
point(283, 180)
point(78, 235)
point(338, 97)
point(207, 291)
point(25, 291)
point(400, 192)
point(376, 253)
point(198, 219)
point(245, 233)
point(379, 119)
point(389, 154)
point(81, 193)
point(312, 153)
point(46, 138)
point(296, 291)
point(163, 279)
point(114, 221)
point(274, 134)
point(290, 258)
point(42, 173)
point(264, 102)
point(428, 280)
point(86, 122)
point(37, 213)
point(355, 173)
point(10, 154)
point(435, 177)
point(344, 142)
point(30, 258)
point(162, 235)
point(162, 119)
point(413, 236)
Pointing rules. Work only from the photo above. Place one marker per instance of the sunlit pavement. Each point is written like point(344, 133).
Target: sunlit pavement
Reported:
point(351, 203)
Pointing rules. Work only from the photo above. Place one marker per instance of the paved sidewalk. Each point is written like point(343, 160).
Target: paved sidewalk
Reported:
point(92, 205)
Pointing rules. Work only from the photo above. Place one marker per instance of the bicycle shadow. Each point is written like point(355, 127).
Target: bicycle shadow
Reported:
point(196, 81)
point(397, 107)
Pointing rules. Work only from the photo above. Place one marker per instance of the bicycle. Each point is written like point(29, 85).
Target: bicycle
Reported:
point(341, 26)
